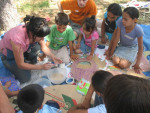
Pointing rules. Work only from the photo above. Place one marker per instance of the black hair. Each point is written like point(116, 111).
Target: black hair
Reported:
point(132, 12)
point(90, 24)
point(127, 94)
point(115, 9)
point(37, 26)
point(100, 79)
point(30, 98)
point(61, 19)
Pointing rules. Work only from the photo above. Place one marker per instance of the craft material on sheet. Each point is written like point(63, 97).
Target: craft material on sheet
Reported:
point(101, 64)
point(87, 73)
point(65, 95)
point(57, 75)
point(83, 86)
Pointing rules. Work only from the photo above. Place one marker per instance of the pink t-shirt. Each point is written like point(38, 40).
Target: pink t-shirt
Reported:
point(93, 36)
point(18, 35)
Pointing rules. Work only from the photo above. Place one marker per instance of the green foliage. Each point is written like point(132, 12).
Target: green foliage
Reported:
point(33, 6)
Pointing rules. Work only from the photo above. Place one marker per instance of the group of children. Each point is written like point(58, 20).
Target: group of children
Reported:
point(114, 94)
point(121, 29)
point(125, 48)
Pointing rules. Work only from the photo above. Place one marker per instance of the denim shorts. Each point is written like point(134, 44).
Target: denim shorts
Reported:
point(126, 52)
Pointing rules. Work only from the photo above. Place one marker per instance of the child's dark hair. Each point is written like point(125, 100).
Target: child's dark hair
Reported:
point(100, 79)
point(37, 25)
point(115, 9)
point(90, 24)
point(30, 98)
point(127, 94)
point(61, 19)
point(132, 12)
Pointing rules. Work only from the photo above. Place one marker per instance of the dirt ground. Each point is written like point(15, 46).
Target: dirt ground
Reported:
point(53, 10)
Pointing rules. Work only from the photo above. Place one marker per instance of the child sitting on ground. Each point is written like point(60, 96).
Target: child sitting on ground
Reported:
point(10, 86)
point(87, 41)
point(127, 94)
point(129, 35)
point(61, 35)
point(30, 100)
point(8, 92)
point(108, 26)
point(99, 81)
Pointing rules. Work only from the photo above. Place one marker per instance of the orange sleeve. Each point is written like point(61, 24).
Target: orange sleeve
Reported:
point(93, 9)
point(67, 4)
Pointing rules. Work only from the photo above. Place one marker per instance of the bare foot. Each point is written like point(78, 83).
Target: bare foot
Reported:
point(8, 84)
point(78, 51)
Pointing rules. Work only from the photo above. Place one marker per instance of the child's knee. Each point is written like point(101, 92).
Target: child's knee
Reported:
point(116, 60)
point(66, 60)
point(78, 51)
point(124, 64)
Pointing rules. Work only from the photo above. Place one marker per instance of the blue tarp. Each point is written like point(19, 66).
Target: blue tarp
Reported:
point(146, 37)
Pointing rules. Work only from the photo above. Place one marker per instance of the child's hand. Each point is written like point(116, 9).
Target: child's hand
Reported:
point(57, 60)
point(137, 68)
point(47, 66)
point(106, 52)
point(104, 40)
point(89, 57)
point(74, 57)
point(109, 55)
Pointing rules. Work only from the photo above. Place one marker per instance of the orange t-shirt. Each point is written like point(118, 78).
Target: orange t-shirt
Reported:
point(78, 14)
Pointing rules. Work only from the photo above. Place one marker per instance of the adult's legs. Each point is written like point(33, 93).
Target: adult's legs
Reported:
point(76, 28)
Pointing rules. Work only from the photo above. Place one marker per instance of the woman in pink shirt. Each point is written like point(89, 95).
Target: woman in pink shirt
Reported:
point(17, 44)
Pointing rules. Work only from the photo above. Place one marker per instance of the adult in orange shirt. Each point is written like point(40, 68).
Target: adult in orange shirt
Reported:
point(80, 9)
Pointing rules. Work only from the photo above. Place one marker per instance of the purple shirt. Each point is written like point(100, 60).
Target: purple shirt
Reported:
point(18, 35)
point(129, 39)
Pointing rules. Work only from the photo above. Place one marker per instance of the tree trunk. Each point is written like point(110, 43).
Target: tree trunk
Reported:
point(9, 17)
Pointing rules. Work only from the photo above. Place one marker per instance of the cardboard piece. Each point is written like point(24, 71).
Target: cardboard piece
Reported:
point(65, 95)
point(99, 63)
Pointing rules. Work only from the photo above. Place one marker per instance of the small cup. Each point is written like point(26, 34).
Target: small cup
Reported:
point(70, 80)
point(62, 65)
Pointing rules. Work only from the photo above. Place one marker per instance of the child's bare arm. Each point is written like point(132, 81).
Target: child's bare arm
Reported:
point(92, 50)
point(139, 55)
point(103, 40)
point(47, 43)
point(87, 100)
point(74, 57)
point(115, 41)
point(11, 93)
point(80, 38)
point(113, 38)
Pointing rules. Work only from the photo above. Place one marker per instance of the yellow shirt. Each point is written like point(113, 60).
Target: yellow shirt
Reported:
point(78, 14)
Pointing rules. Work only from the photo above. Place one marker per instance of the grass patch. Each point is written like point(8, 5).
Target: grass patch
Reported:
point(33, 6)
